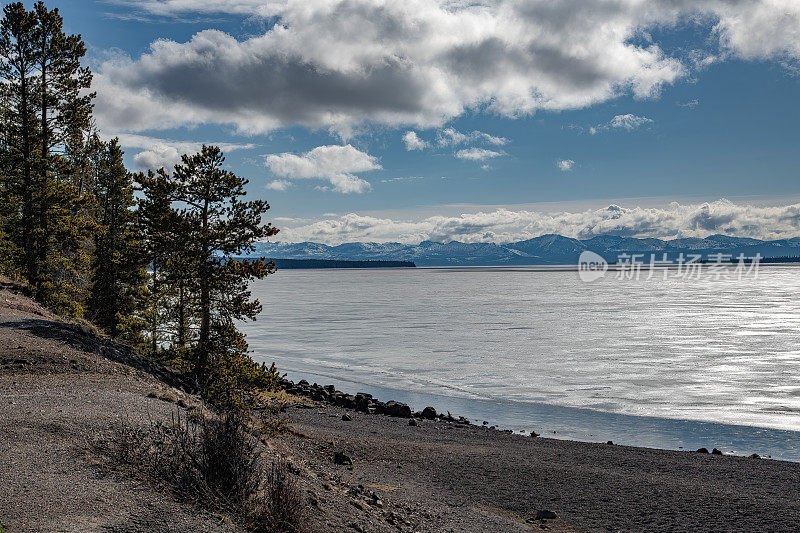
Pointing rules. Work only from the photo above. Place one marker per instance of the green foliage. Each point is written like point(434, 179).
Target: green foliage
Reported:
point(46, 222)
point(119, 263)
point(214, 223)
point(234, 380)
point(158, 271)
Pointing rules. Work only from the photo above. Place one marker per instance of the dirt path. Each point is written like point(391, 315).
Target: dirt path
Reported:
point(57, 395)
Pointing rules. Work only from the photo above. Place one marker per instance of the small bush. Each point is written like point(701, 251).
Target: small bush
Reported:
point(216, 462)
point(283, 506)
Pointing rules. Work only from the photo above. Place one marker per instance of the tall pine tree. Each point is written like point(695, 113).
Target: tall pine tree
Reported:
point(118, 264)
point(44, 101)
point(217, 224)
point(18, 57)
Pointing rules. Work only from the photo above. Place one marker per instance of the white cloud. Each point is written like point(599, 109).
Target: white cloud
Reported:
point(278, 185)
point(503, 225)
point(413, 142)
point(158, 153)
point(340, 64)
point(336, 164)
point(173, 8)
point(477, 154)
point(565, 165)
point(418, 62)
point(453, 137)
point(691, 104)
point(629, 122)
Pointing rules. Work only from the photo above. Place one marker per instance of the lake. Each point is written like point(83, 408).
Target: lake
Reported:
point(664, 361)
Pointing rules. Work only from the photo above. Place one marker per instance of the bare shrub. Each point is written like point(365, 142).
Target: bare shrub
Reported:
point(283, 508)
point(216, 462)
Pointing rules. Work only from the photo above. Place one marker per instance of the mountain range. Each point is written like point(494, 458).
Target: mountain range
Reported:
point(543, 250)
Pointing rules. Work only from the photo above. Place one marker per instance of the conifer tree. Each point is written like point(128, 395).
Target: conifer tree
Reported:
point(63, 222)
point(44, 104)
point(18, 57)
point(216, 225)
point(156, 219)
point(118, 267)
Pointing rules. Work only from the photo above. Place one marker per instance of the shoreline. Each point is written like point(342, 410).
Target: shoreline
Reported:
point(62, 387)
point(587, 425)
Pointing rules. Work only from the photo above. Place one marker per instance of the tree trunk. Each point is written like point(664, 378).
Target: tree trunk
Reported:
point(205, 302)
point(44, 159)
point(31, 264)
point(154, 311)
point(181, 314)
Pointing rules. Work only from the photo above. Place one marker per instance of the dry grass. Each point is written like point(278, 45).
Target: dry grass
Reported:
point(216, 462)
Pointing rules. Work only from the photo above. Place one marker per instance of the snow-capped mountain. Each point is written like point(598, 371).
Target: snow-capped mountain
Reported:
point(543, 250)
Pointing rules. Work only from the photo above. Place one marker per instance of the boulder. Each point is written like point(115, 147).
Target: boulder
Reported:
point(349, 401)
point(429, 413)
point(363, 401)
point(702, 450)
point(716, 452)
point(397, 409)
point(341, 459)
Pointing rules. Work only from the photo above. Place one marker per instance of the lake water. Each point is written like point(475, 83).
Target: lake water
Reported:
point(623, 359)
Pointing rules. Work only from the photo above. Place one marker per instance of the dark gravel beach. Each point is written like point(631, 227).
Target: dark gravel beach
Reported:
point(60, 393)
point(464, 472)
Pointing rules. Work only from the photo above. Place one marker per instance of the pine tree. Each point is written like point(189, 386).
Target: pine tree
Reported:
point(43, 106)
point(170, 301)
point(62, 109)
point(18, 55)
point(118, 265)
point(216, 225)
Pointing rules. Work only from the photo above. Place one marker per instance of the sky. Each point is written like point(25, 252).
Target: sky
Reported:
point(469, 120)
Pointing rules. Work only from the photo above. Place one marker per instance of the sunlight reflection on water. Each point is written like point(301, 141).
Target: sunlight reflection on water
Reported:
point(719, 351)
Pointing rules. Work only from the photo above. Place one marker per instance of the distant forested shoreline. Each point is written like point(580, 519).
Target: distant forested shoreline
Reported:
point(328, 263)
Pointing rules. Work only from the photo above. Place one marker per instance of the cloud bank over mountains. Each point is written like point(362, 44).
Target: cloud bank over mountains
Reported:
point(419, 63)
point(504, 225)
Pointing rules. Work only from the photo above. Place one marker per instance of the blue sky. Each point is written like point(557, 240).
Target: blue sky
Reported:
point(533, 116)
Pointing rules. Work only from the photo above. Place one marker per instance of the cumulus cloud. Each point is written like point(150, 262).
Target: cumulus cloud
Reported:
point(565, 165)
point(278, 185)
point(477, 154)
point(336, 164)
point(453, 137)
point(503, 225)
point(163, 153)
point(628, 122)
point(419, 62)
point(413, 142)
